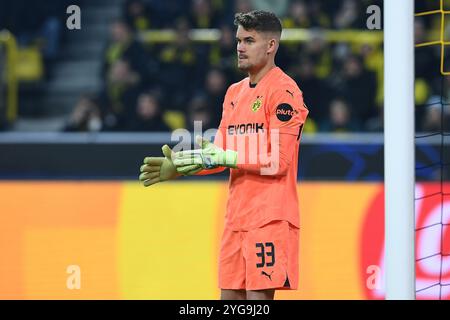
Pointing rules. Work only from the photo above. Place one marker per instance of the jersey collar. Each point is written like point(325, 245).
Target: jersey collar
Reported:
point(266, 76)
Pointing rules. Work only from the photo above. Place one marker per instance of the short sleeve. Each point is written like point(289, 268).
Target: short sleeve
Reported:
point(287, 111)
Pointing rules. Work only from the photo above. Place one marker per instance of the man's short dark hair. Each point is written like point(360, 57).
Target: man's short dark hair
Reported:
point(258, 20)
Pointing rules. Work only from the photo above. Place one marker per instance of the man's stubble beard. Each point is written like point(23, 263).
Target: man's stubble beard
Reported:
point(244, 68)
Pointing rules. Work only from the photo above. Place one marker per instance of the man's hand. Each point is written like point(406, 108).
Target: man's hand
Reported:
point(209, 156)
point(159, 169)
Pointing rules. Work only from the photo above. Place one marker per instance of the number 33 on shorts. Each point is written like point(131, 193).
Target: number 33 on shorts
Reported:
point(262, 258)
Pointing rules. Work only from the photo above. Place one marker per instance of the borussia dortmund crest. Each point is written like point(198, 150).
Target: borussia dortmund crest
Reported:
point(257, 104)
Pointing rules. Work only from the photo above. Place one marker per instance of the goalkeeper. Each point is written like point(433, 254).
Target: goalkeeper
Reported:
point(258, 141)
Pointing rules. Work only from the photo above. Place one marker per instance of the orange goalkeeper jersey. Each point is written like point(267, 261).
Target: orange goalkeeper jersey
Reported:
point(263, 123)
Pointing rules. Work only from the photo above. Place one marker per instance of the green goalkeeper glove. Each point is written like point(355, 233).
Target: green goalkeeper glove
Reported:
point(209, 156)
point(159, 169)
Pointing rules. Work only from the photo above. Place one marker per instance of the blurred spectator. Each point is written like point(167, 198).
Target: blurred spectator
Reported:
point(340, 119)
point(373, 58)
point(316, 94)
point(433, 118)
point(180, 71)
point(424, 56)
point(279, 7)
point(36, 24)
point(318, 16)
point(358, 87)
point(435, 113)
point(319, 52)
point(85, 116)
point(376, 124)
point(349, 16)
point(123, 45)
point(199, 112)
point(202, 15)
point(222, 54)
point(297, 16)
point(137, 15)
point(148, 114)
point(120, 96)
point(243, 6)
point(216, 87)
point(224, 10)
point(168, 11)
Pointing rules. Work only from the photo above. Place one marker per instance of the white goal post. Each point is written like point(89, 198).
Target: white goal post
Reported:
point(399, 149)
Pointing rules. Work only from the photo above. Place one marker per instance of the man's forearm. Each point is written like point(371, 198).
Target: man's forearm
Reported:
point(270, 163)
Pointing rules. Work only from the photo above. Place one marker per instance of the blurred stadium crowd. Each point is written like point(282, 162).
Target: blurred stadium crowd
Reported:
point(36, 22)
point(158, 86)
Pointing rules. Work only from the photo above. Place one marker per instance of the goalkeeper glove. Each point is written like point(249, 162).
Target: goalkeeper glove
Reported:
point(159, 169)
point(209, 156)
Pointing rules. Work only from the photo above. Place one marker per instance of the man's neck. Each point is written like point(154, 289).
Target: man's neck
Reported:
point(258, 75)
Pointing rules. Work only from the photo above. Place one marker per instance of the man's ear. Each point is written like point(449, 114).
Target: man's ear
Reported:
point(272, 46)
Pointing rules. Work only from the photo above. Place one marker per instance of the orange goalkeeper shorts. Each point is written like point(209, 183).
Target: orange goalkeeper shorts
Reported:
point(263, 258)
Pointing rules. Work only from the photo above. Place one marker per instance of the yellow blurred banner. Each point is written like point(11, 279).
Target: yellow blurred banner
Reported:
point(119, 240)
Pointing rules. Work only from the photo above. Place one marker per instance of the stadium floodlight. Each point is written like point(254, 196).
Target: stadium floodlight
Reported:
point(399, 149)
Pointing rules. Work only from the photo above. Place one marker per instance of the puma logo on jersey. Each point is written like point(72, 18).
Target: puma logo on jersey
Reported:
point(291, 93)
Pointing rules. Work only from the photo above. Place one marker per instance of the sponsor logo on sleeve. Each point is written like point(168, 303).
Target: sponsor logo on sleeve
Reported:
point(285, 112)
